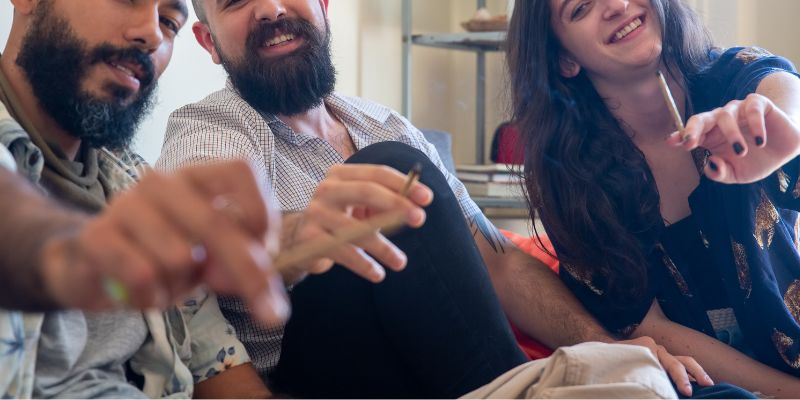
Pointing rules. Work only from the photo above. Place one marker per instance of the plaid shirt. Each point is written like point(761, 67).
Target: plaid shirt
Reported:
point(225, 126)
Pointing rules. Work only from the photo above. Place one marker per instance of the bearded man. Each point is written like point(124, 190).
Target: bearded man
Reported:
point(76, 78)
point(434, 329)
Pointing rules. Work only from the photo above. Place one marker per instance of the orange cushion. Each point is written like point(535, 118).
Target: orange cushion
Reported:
point(532, 348)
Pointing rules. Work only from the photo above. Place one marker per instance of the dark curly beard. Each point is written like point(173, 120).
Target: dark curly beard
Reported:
point(56, 62)
point(289, 84)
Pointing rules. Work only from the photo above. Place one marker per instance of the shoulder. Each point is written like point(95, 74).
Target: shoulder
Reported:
point(221, 126)
point(733, 74)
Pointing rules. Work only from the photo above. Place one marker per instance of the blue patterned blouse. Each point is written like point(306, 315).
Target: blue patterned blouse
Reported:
point(751, 234)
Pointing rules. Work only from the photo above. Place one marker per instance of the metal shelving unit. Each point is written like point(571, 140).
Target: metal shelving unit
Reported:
point(478, 42)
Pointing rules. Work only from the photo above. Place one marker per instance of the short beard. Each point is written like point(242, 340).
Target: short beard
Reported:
point(287, 85)
point(56, 62)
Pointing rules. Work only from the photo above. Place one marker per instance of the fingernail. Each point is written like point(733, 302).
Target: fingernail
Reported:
point(759, 141)
point(738, 148)
point(378, 272)
point(709, 380)
point(416, 215)
point(713, 166)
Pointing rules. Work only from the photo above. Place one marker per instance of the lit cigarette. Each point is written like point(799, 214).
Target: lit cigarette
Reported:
point(676, 116)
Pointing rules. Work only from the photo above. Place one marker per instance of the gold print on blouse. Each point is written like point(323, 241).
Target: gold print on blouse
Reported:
point(673, 270)
point(750, 54)
point(783, 181)
point(797, 233)
point(766, 220)
point(785, 346)
point(792, 300)
point(742, 268)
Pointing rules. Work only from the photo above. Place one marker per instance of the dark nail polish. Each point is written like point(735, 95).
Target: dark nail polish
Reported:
point(738, 148)
point(759, 141)
point(713, 166)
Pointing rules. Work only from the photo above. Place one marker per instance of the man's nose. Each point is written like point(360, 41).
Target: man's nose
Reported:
point(269, 10)
point(144, 28)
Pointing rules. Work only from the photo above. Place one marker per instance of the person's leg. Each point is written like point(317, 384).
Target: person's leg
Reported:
point(435, 329)
point(719, 391)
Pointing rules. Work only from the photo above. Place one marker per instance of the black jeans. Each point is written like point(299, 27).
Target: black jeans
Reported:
point(435, 329)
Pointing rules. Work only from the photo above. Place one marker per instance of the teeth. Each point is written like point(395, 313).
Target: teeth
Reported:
point(123, 69)
point(279, 39)
point(628, 28)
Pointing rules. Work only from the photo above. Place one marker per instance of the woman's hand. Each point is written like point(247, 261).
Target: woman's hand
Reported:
point(748, 139)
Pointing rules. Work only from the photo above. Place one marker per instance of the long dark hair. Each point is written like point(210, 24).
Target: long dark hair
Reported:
point(585, 178)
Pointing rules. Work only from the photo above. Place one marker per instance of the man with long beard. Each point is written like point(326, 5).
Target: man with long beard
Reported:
point(76, 77)
point(436, 329)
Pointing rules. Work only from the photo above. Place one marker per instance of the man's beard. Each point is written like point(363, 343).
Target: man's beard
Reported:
point(284, 85)
point(56, 62)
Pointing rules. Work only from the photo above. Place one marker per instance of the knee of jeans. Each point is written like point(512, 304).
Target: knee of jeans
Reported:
point(401, 157)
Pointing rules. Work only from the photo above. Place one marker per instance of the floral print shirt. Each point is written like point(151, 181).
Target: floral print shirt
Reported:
point(185, 345)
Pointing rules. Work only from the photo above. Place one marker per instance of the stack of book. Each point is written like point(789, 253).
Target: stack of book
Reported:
point(491, 180)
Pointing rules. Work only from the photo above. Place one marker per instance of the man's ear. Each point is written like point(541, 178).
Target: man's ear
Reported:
point(203, 36)
point(569, 68)
point(24, 7)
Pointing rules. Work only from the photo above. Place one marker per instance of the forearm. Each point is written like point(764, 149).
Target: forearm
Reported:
point(532, 296)
point(783, 89)
point(722, 362)
point(239, 382)
point(30, 220)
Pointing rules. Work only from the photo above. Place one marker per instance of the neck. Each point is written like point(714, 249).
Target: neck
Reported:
point(317, 121)
point(50, 130)
point(642, 107)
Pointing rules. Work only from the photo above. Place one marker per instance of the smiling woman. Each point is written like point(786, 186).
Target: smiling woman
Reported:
point(653, 236)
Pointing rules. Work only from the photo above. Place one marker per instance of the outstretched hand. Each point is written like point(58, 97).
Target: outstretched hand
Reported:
point(748, 139)
point(157, 242)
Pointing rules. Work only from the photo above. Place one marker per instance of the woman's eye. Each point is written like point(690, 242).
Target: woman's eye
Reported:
point(578, 11)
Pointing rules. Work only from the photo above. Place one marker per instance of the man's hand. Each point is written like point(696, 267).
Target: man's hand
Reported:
point(167, 235)
point(352, 192)
point(681, 369)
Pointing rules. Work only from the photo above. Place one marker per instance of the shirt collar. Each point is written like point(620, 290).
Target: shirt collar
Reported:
point(352, 113)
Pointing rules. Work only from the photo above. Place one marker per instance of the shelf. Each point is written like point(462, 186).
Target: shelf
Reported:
point(469, 41)
point(501, 202)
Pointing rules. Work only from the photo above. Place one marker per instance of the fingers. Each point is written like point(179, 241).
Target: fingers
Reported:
point(755, 110)
point(241, 253)
point(114, 257)
point(375, 197)
point(235, 181)
point(694, 370)
point(322, 221)
point(735, 125)
point(720, 170)
point(675, 370)
point(386, 176)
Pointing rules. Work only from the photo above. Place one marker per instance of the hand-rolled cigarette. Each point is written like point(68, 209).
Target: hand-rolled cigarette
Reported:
point(676, 116)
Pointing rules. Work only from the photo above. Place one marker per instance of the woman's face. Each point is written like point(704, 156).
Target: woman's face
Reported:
point(609, 39)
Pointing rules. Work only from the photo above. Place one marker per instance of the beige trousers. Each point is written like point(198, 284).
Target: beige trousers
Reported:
point(588, 370)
